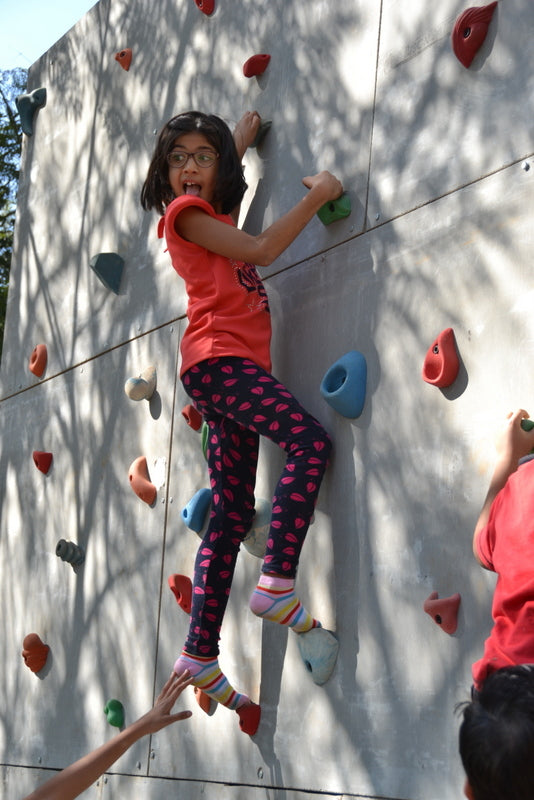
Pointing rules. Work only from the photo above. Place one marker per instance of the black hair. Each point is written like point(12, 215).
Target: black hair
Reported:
point(230, 184)
point(497, 736)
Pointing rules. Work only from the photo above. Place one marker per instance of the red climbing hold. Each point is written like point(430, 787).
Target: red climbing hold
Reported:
point(192, 417)
point(34, 652)
point(140, 480)
point(206, 6)
point(256, 65)
point(441, 363)
point(161, 227)
point(182, 589)
point(124, 57)
point(38, 359)
point(470, 31)
point(444, 612)
point(249, 718)
point(42, 460)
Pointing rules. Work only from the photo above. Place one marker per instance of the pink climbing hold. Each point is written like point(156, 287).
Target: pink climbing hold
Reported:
point(124, 57)
point(470, 31)
point(441, 363)
point(140, 481)
point(206, 6)
point(182, 589)
point(34, 652)
point(38, 359)
point(444, 612)
point(256, 65)
point(42, 460)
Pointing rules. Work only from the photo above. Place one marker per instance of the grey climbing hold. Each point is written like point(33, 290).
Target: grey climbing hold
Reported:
point(318, 649)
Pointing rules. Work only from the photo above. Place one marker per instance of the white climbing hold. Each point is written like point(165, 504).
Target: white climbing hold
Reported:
point(318, 649)
point(143, 387)
point(256, 541)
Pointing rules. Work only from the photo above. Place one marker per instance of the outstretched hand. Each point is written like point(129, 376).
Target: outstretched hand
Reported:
point(513, 442)
point(326, 183)
point(246, 130)
point(159, 715)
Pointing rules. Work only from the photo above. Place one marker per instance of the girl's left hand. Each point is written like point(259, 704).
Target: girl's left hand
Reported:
point(245, 131)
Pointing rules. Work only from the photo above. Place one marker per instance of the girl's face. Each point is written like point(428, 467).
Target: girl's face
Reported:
point(193, 165)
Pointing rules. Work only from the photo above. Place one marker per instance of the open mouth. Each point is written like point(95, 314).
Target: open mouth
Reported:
point(191, 188)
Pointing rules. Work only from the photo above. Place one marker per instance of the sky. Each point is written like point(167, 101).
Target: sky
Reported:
point(28, 28)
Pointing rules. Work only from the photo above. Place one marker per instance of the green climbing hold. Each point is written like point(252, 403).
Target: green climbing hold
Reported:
point(114, 711)
point(108, 267)
point(335, 209)
point(204, 432)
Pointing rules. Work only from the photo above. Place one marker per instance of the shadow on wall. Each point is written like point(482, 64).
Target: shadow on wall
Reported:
point(191, 66)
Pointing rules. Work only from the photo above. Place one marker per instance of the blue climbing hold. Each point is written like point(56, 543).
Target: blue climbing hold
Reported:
point(108, 267)
point(28, 105)
point(318, 649)
point(195, 512)
point(344, 385)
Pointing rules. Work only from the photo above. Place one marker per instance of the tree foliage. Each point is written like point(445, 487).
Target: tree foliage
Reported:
point(12, 83)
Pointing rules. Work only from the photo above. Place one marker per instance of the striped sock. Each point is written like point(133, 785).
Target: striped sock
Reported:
point(207, 675)
point(275, 599)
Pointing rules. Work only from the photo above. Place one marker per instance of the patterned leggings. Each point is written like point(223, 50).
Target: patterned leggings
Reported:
point(241, 401)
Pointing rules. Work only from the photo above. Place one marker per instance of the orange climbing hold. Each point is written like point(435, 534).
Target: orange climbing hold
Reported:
point(444, 612)
point(34, 652)
point(249, 718)
point(441, 363)
point(124, 57)
point(206, 6)
point(192, 417)
point(256, 65)
point(42, 460)
point(38, 359)
point(140, 481)
point(182, 589)
point(204, 700)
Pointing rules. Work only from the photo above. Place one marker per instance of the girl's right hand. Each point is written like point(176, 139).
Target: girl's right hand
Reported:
point(326, 183)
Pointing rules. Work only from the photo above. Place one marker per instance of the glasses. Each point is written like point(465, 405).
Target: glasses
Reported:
point(203, 158)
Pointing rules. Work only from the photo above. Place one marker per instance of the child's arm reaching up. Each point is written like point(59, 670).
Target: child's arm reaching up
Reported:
point(512, 444)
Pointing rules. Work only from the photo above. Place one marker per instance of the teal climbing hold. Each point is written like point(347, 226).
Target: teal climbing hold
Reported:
point(256, 541)
point(335, 209)
point(527, 424)
point(114, 711)
point(344, 385)
point(108, 268)
point(318, 649)
point(195, 513)
point(28, 105)
point(262, 132)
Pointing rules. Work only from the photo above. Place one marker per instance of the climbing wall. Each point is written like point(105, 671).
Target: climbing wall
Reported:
point(437, 161)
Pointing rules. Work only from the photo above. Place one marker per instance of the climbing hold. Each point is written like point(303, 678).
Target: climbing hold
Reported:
point(28, 105)
point(114, 711)
point(195, 512)
point(265, 126)
point(344, 384)
point(318, 649)
point(42, 460)
point(204, 433)
point(143, 387)
point(140, 481)
point(34, 652)
point(192, 417)
point(335, 209)
point(256, 540)
point(441, 363)
point(108, 268)
point(70, 552)
point(38, 359)
point(182, 589)
point(206, 703)
point(249, 718)
point(206, 6)
point(124, 57)
point(256, 65)
point(444, 612)
point(527, 424)
point(470, 31)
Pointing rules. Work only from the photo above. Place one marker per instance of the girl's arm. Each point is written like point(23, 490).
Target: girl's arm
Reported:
point(196, 226)
point(73, 780)
point(513, 443)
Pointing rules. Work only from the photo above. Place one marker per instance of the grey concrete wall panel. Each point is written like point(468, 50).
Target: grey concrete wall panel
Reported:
point(440, 236)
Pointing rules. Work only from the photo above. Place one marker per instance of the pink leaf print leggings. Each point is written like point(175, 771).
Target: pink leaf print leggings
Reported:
point(241, 401)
